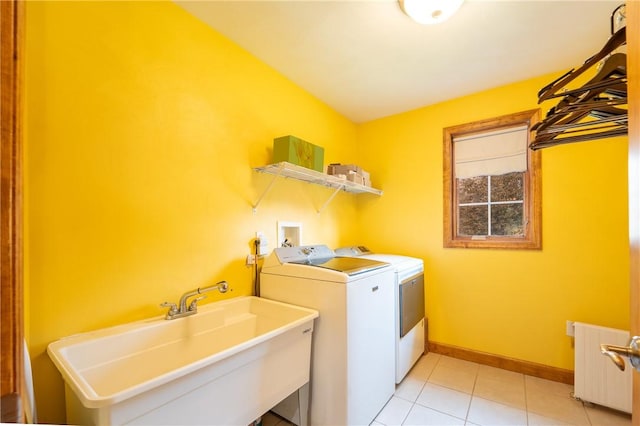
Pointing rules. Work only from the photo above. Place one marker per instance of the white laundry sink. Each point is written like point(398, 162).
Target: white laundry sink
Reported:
point(227, 364)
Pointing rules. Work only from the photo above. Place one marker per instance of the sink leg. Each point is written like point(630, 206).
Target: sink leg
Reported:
point(295, 407)
point(303, 404)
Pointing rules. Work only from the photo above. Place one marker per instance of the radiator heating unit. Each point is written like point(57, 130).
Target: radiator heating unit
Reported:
point(597, 379)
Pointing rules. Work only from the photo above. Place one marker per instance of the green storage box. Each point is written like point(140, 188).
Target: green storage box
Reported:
point(299, 152)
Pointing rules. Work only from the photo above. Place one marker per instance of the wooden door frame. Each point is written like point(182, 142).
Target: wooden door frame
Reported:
point(633, 71)
point(11, 313)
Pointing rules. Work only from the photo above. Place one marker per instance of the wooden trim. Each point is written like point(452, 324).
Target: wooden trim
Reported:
point(633, 86)
point(525, 367)
point(533, 184)
point(11, 408)
point(11, 315)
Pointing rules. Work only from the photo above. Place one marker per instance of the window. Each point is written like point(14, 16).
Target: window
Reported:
point(492, 184)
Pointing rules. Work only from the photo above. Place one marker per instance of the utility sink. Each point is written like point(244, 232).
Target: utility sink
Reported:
point(227, 364)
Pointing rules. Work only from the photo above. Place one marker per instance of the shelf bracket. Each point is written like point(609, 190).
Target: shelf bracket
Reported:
point(326, 203)
point(268, 188)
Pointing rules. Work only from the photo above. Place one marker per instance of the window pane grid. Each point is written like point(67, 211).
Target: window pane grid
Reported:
point(466, 227)
point(492, 202)
point(489, 207)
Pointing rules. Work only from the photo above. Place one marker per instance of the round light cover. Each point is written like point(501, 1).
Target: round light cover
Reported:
point(430, 11)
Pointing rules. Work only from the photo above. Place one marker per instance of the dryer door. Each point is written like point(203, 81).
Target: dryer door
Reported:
point(411, 301)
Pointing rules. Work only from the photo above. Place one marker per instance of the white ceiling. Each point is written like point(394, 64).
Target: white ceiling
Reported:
point(366, 59)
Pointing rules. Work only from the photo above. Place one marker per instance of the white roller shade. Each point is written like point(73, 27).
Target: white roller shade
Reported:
point(491, 153)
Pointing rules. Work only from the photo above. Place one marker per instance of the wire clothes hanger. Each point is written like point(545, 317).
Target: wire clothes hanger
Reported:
point(594, 110)
point(617, 40)
point(614, 69)
point(581, 103)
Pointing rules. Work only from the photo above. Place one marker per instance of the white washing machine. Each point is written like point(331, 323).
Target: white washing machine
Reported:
point(408, 303)
point(352, 361)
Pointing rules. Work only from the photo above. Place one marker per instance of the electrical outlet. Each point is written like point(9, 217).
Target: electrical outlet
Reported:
point(263, 246)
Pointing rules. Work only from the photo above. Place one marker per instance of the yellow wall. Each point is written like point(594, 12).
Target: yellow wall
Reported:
point(142, 126)
point(506, 302)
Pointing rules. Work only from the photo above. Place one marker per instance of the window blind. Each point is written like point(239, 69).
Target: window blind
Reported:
point(491, 153)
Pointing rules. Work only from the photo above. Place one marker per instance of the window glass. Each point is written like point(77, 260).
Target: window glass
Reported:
point(507, 219)
point(472, 220)
point(509, 187)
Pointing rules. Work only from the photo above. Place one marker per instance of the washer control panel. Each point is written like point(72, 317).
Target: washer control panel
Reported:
point(303, 253)
point(353, 251)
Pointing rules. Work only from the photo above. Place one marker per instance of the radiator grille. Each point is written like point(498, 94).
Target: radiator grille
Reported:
point(597, 379)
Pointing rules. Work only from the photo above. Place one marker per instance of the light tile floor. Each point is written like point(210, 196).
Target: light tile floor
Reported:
point(441, 390)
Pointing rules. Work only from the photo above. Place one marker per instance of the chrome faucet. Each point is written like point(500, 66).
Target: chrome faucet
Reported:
point(181, 310)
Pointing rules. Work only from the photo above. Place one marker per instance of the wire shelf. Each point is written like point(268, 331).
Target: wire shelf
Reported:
point(289, 170)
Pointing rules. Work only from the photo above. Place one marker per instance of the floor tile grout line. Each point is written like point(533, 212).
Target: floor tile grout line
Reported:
point(473, 391)
point(421, 390)
point(439, 411)
point(526, 400)
point(404, 419)
point(466, 418)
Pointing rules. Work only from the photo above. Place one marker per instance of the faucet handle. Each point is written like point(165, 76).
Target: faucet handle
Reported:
point(223, 286)
point(194, 303)
point(173, 308)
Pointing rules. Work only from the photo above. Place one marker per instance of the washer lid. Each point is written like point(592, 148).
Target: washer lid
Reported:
point(348, 265)
point(399, 262)
point(321, 256)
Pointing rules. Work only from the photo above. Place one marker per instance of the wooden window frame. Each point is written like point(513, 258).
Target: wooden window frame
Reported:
point(532, 238)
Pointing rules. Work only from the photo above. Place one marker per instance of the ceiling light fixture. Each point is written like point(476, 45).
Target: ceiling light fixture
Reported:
point(430, 11)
